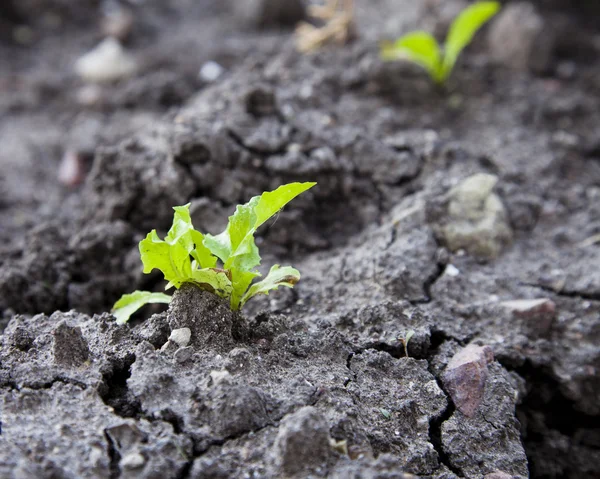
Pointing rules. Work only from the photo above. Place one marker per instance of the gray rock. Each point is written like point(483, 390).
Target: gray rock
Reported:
point(181, 336)
point(520, 39)
point(183, 354)
point(473, 218)
point(106, 63)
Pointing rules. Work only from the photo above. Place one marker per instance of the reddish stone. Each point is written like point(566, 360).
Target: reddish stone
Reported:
point(465, 377)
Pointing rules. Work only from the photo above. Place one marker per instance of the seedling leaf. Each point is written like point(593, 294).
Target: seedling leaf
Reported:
point(286, 276)
point(213, 280)
point(272, 201)
point(130, 303)
point(419, 47)
point(422, 48)
point(172, 259)
point(461, 32)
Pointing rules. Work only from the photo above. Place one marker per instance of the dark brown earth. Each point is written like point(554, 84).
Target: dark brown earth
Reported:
point(468, 215)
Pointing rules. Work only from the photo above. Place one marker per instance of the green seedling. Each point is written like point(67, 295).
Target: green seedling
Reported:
point(224, 264)
point(423, 49)
point(405, 340)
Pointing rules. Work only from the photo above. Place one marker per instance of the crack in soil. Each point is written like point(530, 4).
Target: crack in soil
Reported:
point(428, 285)
point(113, 456)
point(537, 416)
point(565, 292)
point(117, 393)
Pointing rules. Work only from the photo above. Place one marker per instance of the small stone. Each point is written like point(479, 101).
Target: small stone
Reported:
point(210, 72)
point(105, 63)
point(540, 313)
point(181, 336)
point(520, 39)
point(451, 270)
point(466, 375)
point(183, 354)
point(133, 460)
point(472, 217)
point(72, 169)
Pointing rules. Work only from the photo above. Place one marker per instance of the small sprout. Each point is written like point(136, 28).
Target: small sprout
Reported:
point(423, 49)
point(405, 340)
point(224, 264)
point(385, 413)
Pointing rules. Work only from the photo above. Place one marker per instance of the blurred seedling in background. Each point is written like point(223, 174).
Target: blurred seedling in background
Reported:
point(224, 264)
point(423, 49)
point(338, 21)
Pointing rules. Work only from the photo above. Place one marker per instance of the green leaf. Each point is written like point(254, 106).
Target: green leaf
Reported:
point(172, 259)
point(235, 246)
point(213, 280)
point(272, 201)
point(462, 30)
point(419, 47)
point(286, 276)
point(182, 231)
point(200, 252)
point(130, 303)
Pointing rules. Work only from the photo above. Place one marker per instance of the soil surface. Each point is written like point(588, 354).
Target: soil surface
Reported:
point(447, 323)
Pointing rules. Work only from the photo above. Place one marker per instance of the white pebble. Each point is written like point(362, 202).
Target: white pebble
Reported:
point(181, 336)
point(210, 71)
point(452, 270)
point(107, 62)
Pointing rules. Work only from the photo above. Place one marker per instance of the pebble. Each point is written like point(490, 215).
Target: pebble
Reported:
point(72, 169)
point(183, 354)
point(476, 219)
point(181, 336)
point(210, 72)
point(465, 377)
point(451, 270)
point(107, 62)
point(133, 460)
point(540, 313)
